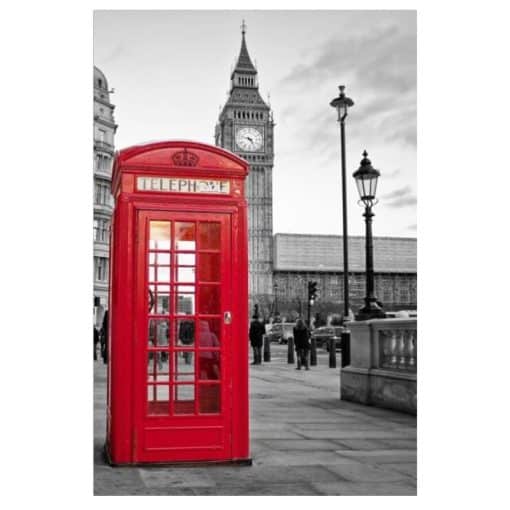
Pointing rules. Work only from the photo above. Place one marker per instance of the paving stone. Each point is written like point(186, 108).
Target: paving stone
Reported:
point(175, 477)
point(303, 458)
point(366, 473)
point(361, 444)
point(365, 489)
point(380, 456)
point(300, 444)
point(407, 468)
point(257, 489)
point(351, 434)
point(397, 444)
point(271, 434)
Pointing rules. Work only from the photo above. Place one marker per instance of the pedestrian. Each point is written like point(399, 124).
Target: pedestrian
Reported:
point(96, 341)
point(257, 331)
point(301, 343)
point(104, 338)
point(187, 337)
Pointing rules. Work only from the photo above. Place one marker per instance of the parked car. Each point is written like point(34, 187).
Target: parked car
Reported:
point(402, 314)
point(324, 334)
point(280, 332)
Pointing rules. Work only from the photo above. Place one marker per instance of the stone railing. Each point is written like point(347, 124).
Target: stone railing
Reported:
point(397, 346)
point(383, 364)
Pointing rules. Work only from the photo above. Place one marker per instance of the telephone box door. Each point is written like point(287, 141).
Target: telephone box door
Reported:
point(183, 340)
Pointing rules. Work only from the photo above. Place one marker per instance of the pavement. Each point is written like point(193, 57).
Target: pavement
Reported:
point(304, 441)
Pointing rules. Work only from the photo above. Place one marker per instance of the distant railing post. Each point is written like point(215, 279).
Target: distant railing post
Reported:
point(313, 352)
point(267, 349)
point(332, 352)
point(290, 351)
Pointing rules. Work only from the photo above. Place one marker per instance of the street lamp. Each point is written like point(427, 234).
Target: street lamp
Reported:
point(366, 179)
point(342, 103)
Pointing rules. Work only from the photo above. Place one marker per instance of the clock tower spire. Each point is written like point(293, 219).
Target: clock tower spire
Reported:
point(245, 127)
point(244, 73)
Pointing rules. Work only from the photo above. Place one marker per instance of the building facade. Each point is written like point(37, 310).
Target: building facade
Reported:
point(245, 127)
point(300, 258)
point(104, 131)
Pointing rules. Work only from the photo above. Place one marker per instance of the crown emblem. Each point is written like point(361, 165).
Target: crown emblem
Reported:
point(185, 158)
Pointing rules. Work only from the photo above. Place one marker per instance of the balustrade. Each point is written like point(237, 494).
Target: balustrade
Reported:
point(397, 348)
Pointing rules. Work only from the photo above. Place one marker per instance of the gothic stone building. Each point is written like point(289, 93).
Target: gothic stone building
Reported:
point(245, 127)
point(104, 130)
point(300, 258)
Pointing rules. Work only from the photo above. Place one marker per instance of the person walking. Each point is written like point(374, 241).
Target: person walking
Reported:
point(96, 341)
point(301, 343)
point(257, 332)
point(104, 338)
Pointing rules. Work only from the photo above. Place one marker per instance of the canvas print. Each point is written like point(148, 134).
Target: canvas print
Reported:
point(255, 241)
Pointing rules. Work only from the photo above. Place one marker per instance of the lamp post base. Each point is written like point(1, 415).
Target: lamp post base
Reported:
point(371, 310)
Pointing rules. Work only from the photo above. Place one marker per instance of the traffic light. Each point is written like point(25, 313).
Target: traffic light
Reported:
point(312, 291)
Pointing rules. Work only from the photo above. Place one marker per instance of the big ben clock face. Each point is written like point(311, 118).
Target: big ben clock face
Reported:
point(249, 139)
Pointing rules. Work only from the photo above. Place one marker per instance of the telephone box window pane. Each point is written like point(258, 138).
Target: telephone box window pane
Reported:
point(209, 268)
point(185, 303)
point(159, 332)
point(158, 367)
point(209, 365)
point(184, 363)
point(157, 399)
point(163, 274)
point(159, 235)
point(184, 236)
point(184, 402)
point(209, 333)
point(209, 236)
point(185, 332)
point(185, 259)
point(209, 299)
point(163, 259)
point(209, 398)
point(163, 303)
point(152, 258)
point(152, 274)
point(185, 274)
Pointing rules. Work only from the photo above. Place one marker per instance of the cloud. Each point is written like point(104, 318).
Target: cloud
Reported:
point(379, 69)
point(401, 197)
point(398, 193)
point(402, 202)
point(392, 174)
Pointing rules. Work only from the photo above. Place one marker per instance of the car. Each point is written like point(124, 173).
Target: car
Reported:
point(324, 334)
point(280, 332)
point(402, 314)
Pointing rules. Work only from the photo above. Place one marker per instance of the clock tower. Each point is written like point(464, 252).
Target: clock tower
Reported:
point(245, 127)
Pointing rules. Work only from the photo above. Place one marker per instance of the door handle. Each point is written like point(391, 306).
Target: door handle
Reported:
point(227, 317)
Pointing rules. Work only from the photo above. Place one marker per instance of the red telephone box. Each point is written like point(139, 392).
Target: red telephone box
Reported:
point(178, 360)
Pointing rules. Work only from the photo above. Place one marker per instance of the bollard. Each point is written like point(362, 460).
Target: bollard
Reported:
point(290, 351)
point(267, 349)
point(332, 353)
point(313, 352)
point(346, 347)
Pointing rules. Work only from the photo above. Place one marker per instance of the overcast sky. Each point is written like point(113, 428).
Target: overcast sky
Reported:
point(171, 69)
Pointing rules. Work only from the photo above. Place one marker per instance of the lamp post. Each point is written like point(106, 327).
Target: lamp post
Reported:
point(275, 288)
point(342, 103)
point(366, 179)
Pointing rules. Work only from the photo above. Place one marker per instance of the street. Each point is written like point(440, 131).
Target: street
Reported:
point(304, 441)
